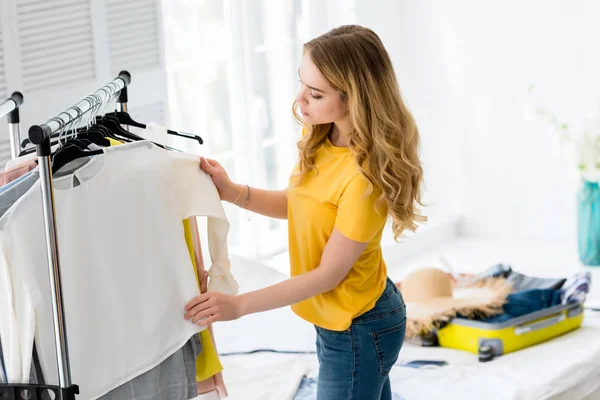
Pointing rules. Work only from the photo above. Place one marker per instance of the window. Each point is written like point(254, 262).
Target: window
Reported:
point(231, 71)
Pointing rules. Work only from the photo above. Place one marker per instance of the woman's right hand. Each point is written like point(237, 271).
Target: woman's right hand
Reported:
point(227, 189)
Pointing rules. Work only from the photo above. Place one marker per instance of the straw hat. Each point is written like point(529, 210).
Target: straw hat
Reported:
point(432, 298)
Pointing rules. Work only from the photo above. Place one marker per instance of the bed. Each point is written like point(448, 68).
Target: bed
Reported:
point(267, 356)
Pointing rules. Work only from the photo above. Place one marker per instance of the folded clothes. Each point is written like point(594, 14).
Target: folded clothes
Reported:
point(531, 294)
point(576, 288)
point(524, 282)
point(525, 302)
point(520, 281)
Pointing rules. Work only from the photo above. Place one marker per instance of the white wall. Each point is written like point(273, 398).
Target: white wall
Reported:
point(464, 68)
point(57, 53)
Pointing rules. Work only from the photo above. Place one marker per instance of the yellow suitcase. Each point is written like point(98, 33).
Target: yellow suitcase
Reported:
point(494, 339)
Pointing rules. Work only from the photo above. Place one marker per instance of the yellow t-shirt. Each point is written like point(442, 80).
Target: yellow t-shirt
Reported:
point(335, 197)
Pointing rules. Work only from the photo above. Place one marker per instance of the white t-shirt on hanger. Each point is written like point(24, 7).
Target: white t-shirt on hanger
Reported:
point(126, 270)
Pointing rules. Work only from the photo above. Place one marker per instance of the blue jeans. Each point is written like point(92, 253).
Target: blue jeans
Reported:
point(354, 364)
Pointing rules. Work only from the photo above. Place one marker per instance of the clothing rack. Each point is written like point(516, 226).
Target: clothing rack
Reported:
point(10, 107)
point(40, 135)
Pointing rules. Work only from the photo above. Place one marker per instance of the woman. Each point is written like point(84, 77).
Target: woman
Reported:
point(358, 163)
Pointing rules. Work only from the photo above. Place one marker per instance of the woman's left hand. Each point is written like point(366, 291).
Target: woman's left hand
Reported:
point(212, 307)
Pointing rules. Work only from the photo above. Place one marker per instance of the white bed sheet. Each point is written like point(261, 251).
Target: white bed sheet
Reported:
point(567, 367)
point(265, 376)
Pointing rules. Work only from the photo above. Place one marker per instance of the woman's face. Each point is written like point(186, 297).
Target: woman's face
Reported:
point(318, 102)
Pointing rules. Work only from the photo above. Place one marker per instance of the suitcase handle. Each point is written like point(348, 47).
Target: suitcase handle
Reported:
point(526, 328)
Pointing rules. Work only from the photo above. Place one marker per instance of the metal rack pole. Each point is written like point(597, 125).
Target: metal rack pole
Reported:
point(40, 136)
point(11, 104)
point(37, 133)
point(11, 107)
point(122, 100)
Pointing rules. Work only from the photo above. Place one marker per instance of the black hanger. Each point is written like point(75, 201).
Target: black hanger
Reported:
point(115, 127)
point(81, 143)
point(82, 140)
point(33, 149)
point(98, 136)
point(94, 135)
point(125, 119)
point(69, 152)
point(96, 128)
point(106, 126)
point(113, 130)
point(120, 118)
point(112, 122)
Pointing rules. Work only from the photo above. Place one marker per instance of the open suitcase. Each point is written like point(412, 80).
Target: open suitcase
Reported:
point(493, 339)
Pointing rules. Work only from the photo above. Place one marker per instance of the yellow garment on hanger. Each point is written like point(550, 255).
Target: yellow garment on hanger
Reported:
point(114, 142)
point(208, 363)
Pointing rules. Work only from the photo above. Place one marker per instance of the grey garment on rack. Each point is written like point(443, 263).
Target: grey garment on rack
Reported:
point(10, 196)
point(16, 189)
point(173, 379)
point(13, 192)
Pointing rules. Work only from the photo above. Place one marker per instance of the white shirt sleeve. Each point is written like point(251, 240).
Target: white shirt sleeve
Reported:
point(199, 197)
point(221, 278)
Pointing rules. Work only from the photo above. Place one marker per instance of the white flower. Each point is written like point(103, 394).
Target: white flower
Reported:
point(582, 148)
point(589, 157)
point(547, 117)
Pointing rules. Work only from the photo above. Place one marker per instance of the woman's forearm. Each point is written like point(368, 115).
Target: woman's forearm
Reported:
point(285, 293)
point(271, 203)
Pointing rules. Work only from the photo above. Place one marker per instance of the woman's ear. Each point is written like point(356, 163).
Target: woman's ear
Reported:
point(344, 97)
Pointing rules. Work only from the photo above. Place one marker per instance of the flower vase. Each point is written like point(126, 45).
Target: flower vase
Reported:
point(589, 223)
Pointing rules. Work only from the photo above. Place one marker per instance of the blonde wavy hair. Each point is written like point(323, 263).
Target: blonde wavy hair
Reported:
point(384, 141)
